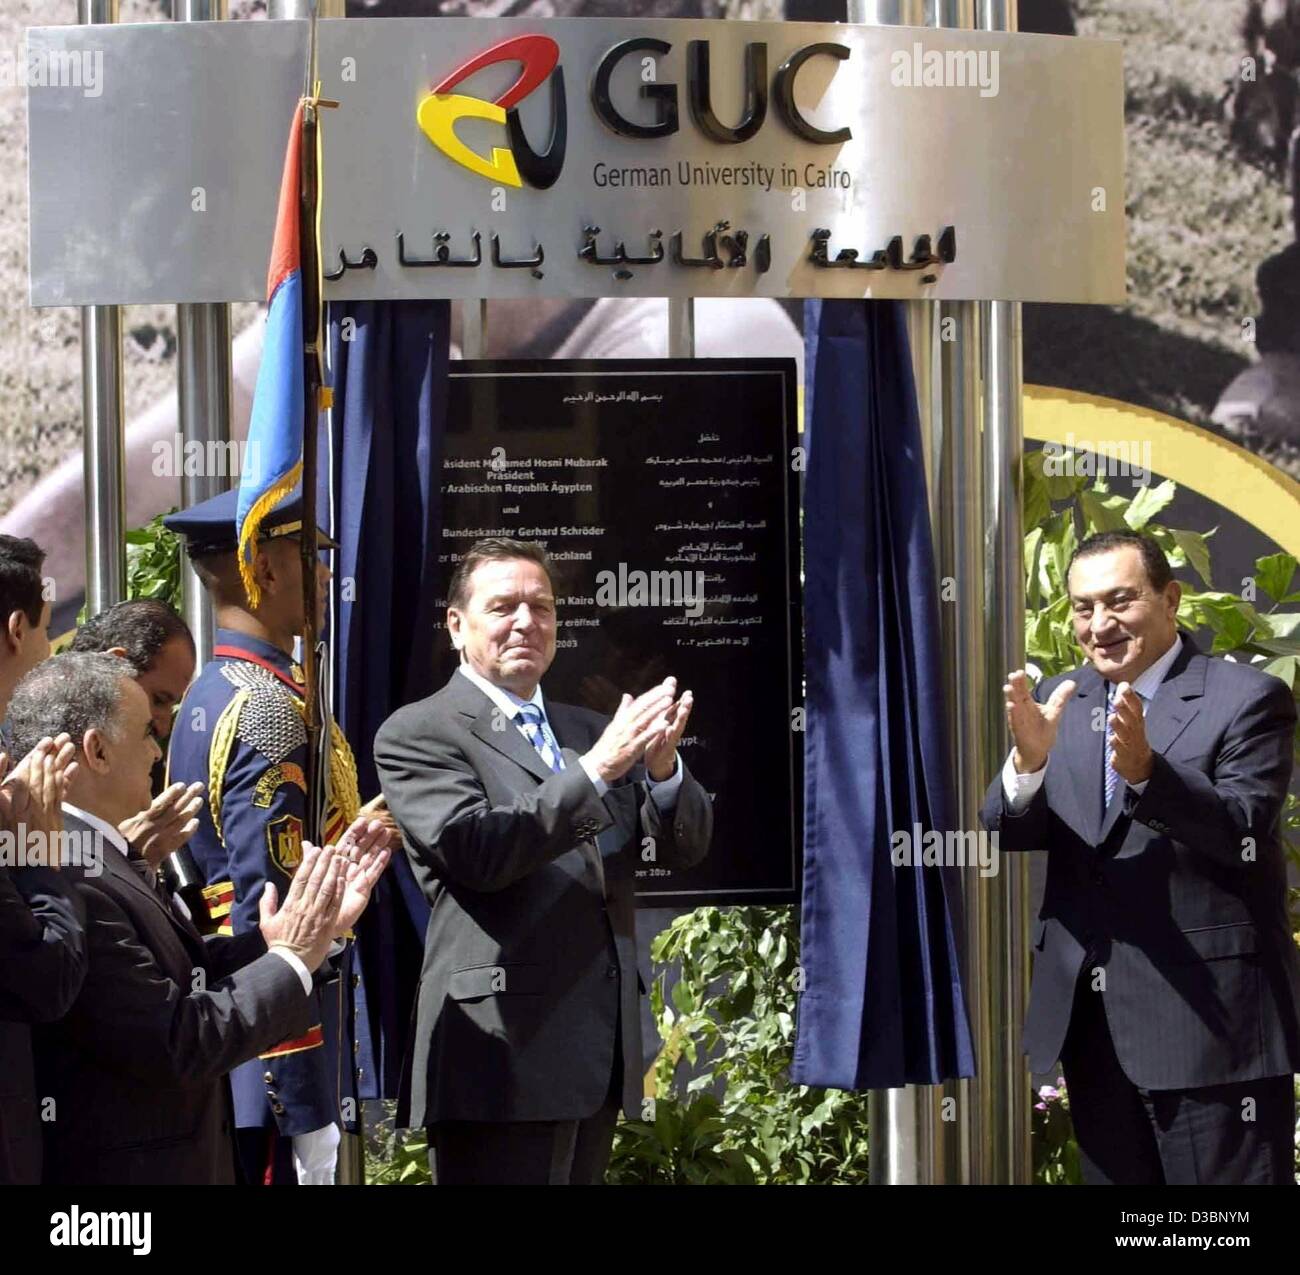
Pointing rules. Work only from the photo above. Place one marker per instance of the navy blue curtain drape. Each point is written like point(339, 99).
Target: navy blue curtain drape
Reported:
point(389, 371)
point(883, 1004)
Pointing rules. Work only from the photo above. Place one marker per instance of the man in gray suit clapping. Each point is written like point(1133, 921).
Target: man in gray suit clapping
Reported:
point(525, 822)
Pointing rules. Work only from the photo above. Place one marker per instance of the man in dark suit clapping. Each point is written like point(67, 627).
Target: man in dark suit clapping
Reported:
point(135, 1072)
point(524, 821)
point(1165, 974)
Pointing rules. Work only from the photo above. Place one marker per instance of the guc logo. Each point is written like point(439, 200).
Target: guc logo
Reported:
point(439, 112)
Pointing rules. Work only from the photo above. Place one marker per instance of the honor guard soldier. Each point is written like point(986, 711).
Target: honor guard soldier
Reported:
point(241, 731)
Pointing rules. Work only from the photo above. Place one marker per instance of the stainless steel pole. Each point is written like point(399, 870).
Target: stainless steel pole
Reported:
point(681, 327)
point(203, 383)
point(1008, 1116)
point(474, 329)
point(907, 1134)
point(960, 546)
point(103, 421)
point(959, 550)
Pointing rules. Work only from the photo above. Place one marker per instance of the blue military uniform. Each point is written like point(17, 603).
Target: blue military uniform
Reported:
point(240, 731)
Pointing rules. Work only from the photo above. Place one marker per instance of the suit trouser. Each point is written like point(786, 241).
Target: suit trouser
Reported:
point(1132, 1136)
point(528, 1152)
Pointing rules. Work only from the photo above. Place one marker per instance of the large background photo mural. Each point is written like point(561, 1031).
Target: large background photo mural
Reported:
point(1210, 334)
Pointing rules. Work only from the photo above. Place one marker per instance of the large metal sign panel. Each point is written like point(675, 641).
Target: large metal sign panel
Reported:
point(666, 495)
point(581, 157)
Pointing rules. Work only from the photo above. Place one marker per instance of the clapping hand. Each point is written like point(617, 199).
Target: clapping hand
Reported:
point(170, 821)
point(1131, 755)
point(365, 846)
point(1033, 725)
point(661, 751)
point(636, 723)
point(32, 796)
point(306, 922)
point(377, 808)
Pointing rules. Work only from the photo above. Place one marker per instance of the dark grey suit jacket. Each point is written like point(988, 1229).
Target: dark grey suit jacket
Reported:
point(1202, 978)
point(137, 1068)
point(528, 965)
point(42, 964)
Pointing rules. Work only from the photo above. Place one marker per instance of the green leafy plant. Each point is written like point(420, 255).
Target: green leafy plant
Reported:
point(394, 1157)
point(153, 563)
point(153, 569)
point(729, 1023)
point(681, 1144)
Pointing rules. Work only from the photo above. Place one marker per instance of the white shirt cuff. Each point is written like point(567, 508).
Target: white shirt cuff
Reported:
point(1019, 789)
point(315, 1156)
point(1140, 788)
point(664, 791)
point(597, 782)
point(295, 963)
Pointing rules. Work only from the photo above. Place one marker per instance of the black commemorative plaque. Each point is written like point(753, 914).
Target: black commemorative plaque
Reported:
point(666, 493)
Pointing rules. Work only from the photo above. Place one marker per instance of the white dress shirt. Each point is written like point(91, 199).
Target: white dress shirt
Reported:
point(1020, 789)
point(663, 791)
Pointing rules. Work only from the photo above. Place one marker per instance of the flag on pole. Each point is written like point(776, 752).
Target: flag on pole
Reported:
point(273, 457)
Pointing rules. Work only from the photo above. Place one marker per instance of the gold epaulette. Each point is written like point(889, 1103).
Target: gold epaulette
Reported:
point(223, 740)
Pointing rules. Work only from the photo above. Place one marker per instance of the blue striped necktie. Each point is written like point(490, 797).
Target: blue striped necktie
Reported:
point(1110, 780)
point(539, 735)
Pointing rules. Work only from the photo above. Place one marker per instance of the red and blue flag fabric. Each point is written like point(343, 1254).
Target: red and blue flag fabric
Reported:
point(273, 458)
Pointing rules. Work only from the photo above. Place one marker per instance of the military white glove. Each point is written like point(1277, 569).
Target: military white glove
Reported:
point(315, 1155)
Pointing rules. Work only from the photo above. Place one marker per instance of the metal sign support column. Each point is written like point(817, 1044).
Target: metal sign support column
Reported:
point(203, 387)
point(1008, 1096)
point(103, 423)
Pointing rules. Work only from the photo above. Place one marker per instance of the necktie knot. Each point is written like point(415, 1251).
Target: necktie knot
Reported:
point(533, 721)
point(143, 868)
